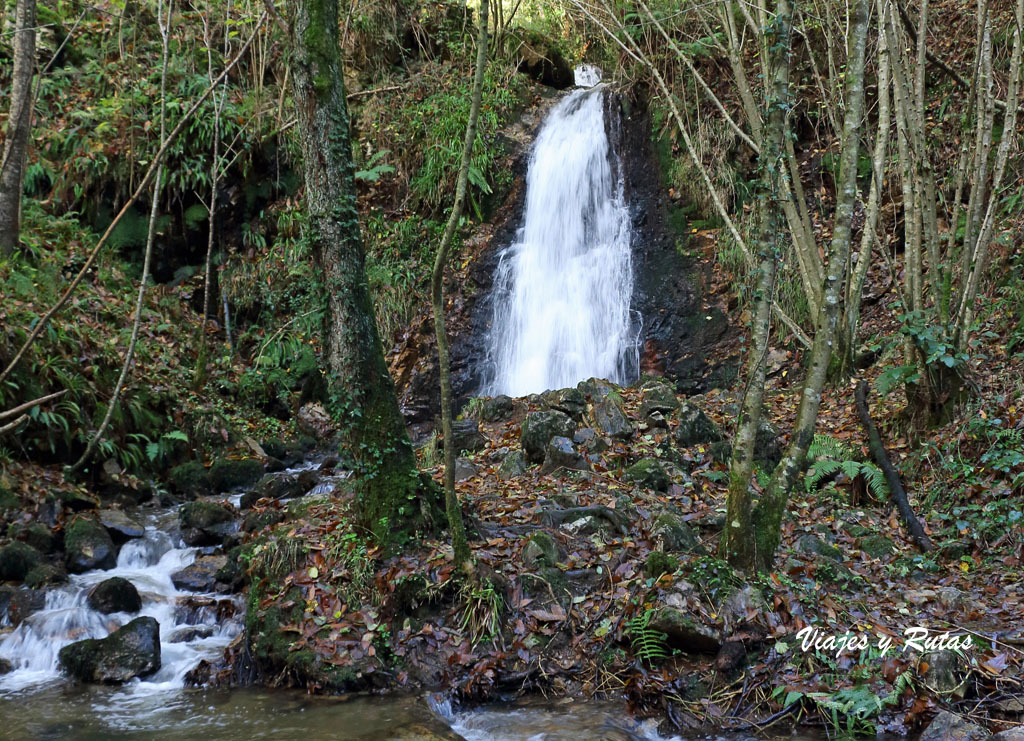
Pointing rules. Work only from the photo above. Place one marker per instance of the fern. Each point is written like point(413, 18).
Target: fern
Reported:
point(830, 456)
point(648, 644)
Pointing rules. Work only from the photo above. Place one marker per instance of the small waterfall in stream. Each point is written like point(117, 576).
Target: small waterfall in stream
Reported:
point(563, 290)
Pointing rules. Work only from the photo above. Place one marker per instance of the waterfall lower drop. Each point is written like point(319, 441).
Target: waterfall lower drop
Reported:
point(563, 290)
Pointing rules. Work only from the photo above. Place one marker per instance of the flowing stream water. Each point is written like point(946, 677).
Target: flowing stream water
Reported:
point(563, 290)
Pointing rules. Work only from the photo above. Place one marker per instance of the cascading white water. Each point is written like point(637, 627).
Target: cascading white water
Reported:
point(563, 290)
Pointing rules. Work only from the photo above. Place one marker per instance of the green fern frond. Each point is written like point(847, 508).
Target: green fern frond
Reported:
point(648, 644)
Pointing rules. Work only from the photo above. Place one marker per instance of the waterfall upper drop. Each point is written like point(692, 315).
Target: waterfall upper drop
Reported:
point(563, 290)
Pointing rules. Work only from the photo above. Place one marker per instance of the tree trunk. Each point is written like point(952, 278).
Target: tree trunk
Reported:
point(362, 394)
point(19, 126)
point(767, 516)
point(452, 507)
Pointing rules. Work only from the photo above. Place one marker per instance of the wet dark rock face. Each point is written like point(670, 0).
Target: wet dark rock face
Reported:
point(677, 329)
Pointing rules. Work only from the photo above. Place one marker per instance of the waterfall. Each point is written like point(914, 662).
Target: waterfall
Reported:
point(563, 290)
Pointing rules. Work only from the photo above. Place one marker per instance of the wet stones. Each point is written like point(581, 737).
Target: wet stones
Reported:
point(201, 575)
point(88, 546)
point(131, 651)
point(121, 527)
point(539, 428)
point(278, 486)
point(227, 474)
point(115, 595)
point(206, 523)
point(190, 480)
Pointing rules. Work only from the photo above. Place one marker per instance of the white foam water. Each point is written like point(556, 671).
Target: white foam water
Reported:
point(563, 290)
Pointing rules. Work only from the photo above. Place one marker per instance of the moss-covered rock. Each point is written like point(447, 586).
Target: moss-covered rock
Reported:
point(45, 575)
point(115, 595)
point(274, 486)
point(513, 465)
point(16, 560)
point(36, 534)
point(131, 651)
point(658, 396)
point(695, 427)
point(466, 436)
point(649, 473)
point(206, 523)
point(539, 428)
point(77, 500)
point(813, 545)
point(8, 499)
point(497, 409)
point(540, 550)
point(877, 546)
point(610, 420)
point(570, 400)
point(675, 535)
point(190, 480)
point(227, 474)
point(658, 563)
point(88, 546)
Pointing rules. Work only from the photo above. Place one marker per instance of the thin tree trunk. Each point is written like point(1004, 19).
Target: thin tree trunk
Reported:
point(19, 127)
point(165, 33)
point(767, 516)
point(452, 507)
point(362, 394)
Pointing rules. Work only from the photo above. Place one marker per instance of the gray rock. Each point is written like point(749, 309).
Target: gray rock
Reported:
point(587, 439)
point(813, 545)
point(121, 527)
point(610, 420)
point(949, 727)
point(25, 602)
point(187, 635)
point(649, 473)
point(16, 560)
point(695, 427)
point(1011, 734)
point(206, 523)
point(947, 672)
point(656, 420)
point(675, 535)
point(274, 486)
point(465, 469)
point(595, 389)
point(685, 632)
point(36, 534)
point(227, 474)
point(513, 466)
point(115, 595)
point(466, 436)
point(540, 550)
point(571, 401)
point(538, 429)
point(497, 409)
point(658, 396)
point(129, 652)
point(190, 480)
point(201, 575)
point(742, 606)
point(561, 453)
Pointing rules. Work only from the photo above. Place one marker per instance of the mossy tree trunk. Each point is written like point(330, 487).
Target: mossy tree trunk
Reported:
point(452, 507)
point(362, 394)
point(19, 124)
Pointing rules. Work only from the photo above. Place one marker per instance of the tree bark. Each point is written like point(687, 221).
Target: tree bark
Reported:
point(19, 126)
point(452, 507)
point(362, 394)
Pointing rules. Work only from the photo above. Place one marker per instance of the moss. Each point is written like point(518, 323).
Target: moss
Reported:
point(649, 473)
point(8, 499)
point(540, 550)
point(17, 559)
point(45, 574)
point(36, 534)
point(87, 545)
point(190, 480)
point(659, 563)
point(202, 514)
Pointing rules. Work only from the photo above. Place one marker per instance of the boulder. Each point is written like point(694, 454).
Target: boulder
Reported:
point(273, 486)
point(649, 473)
point(36, 534)
point(201, 575)
point(254, 521)
point(595, 389)
point(131, 651)
point(877, 546)
point(314, 421)
point(206, 523)
point(467, 437)
point(945, 672)
point(227, 474)
point(465, 469)
point(16, 560)
point(121, 527)
point(115, 595)
point(538, 429)
point(88, 546)
point(571, 401)
point(190, 480)
point(540, 550)
point(497, 409)
point(658, 396)
point(1011, 734)
point(46, 574)
point(684, 632)
point(587, 439)
point(694, 427)
point(813, 545)
point(187, 635)
point(25, 602)
point(675, 535)
point(610, 420)
point(5, 667)
point(949, 727)
point(561, 453)
point(658, 563)
point(513, 465)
